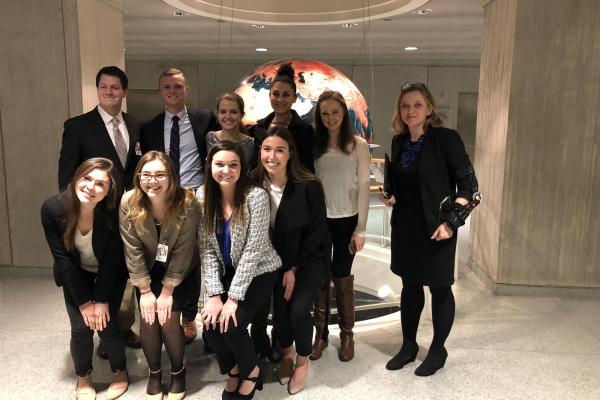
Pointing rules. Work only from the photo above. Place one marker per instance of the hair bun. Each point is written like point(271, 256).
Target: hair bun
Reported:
point(286, 70)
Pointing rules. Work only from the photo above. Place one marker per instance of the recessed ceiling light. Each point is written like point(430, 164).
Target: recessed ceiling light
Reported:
point(387, 19)
point(257, 26)
point(423, 11)
point(411, 48)
point(350, 25)
point(261, 49)
point(179, 13)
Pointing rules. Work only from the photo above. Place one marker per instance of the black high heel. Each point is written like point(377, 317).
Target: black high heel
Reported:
point(231, 395)
point(258, 380)
point(407, 354)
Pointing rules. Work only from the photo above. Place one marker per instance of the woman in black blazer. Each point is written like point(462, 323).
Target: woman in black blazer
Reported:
point(300, 237)
point(282, 95)
point(82, 231)
point(429, 164)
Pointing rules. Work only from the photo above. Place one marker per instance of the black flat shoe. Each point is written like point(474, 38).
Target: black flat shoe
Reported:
point(435, 360)
point(231, 395)
point(258, 380)
point(407, 354)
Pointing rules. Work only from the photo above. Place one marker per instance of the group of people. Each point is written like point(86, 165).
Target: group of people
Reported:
point(265, 217)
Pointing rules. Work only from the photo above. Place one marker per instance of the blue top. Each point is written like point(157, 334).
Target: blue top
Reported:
point(224, 239)
point(411, 151)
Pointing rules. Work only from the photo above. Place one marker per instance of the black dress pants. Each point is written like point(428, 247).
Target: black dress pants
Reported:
point(234, 347)
point(293, 322)
point(82, 342)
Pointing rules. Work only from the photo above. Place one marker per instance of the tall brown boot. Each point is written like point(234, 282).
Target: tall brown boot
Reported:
point(320, 321)
point(344, 296)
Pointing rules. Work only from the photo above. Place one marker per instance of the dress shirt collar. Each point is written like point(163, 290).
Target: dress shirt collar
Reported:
point(106, 117)
point(181, 114)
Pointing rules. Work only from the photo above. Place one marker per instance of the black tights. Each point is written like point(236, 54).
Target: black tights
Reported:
point(412, 301)
point(152, 338)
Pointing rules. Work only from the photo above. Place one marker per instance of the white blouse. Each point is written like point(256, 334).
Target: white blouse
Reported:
point(83, 244)
point(346, 179)
point(275, 193)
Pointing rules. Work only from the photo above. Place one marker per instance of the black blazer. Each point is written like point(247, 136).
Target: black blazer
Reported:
point(85, 136)
point(442, 158)
point(107, 246)
point(300, 235)
point(152, 136)
point(303, 134)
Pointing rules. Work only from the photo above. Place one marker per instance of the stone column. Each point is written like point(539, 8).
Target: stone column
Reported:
point(50, 51)
point(537, 147)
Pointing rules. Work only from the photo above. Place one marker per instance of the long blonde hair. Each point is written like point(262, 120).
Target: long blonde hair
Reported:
point(177, 198)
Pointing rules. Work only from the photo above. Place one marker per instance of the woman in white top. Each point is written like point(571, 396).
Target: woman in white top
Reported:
point(81, 228)
point(230, 111)
point(342, 165)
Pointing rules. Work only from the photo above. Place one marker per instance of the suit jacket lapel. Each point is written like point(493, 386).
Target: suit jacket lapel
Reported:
point(292, 210)
point(133, 139)
point(99, 236)
point(238, 237)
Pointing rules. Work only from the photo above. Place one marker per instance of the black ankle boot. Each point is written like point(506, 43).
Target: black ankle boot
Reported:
point(436, 358)
point(408, 353)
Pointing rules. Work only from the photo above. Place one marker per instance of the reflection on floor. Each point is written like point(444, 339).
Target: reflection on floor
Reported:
point(500, 348)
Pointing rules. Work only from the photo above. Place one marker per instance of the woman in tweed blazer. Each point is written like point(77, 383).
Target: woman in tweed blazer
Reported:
point(239, 264)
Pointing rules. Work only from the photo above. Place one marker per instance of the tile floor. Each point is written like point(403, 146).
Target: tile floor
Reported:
point(500, 348)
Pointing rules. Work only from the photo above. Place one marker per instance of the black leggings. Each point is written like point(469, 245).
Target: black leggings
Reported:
point(235, 347)
point(293, 323)
point(82, 337)
point(412, 301)
point(341, 230)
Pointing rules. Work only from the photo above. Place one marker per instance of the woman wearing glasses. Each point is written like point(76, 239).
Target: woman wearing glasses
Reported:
point(282, 95)
point(159, 222)
point(81, 228)
point(429, 164)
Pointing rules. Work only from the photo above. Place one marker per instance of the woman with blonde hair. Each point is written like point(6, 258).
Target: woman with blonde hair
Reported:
point(159, 222)
point(433, 184)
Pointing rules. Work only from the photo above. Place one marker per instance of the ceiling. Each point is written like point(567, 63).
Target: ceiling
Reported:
point(450, 35)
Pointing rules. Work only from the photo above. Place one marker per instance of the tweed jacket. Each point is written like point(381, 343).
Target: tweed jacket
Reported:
point(140, 247)
point(252, 253)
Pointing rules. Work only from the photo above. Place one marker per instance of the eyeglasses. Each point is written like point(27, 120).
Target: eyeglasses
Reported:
point(412, 86)
point(146, 177)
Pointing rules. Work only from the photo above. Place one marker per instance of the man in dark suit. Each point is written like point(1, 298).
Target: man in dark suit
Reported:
point(180, 133)
point(105, 132)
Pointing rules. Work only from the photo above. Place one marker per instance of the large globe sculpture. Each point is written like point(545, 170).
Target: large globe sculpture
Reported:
point(312, 78)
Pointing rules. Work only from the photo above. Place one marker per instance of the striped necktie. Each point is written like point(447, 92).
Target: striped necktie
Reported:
point(174, 144)
point(120, 145)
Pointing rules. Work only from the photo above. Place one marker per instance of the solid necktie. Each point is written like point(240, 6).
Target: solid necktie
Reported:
point(174, 146)
point(120, 145)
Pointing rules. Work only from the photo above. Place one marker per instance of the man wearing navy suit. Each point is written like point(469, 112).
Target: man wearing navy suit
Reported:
point(180, 133)
point(106, 132)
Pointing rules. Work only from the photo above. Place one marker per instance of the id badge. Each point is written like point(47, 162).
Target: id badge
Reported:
point(138, 149)
point(162, 251)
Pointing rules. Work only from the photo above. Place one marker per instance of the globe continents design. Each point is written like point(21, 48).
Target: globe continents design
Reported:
point(312, 79)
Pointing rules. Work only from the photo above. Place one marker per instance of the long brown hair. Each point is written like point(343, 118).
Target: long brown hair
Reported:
point(346, 140)
point(72, 204)
point(177, 198)
point(212, 209)
point(295, 171)
point(433, 119)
